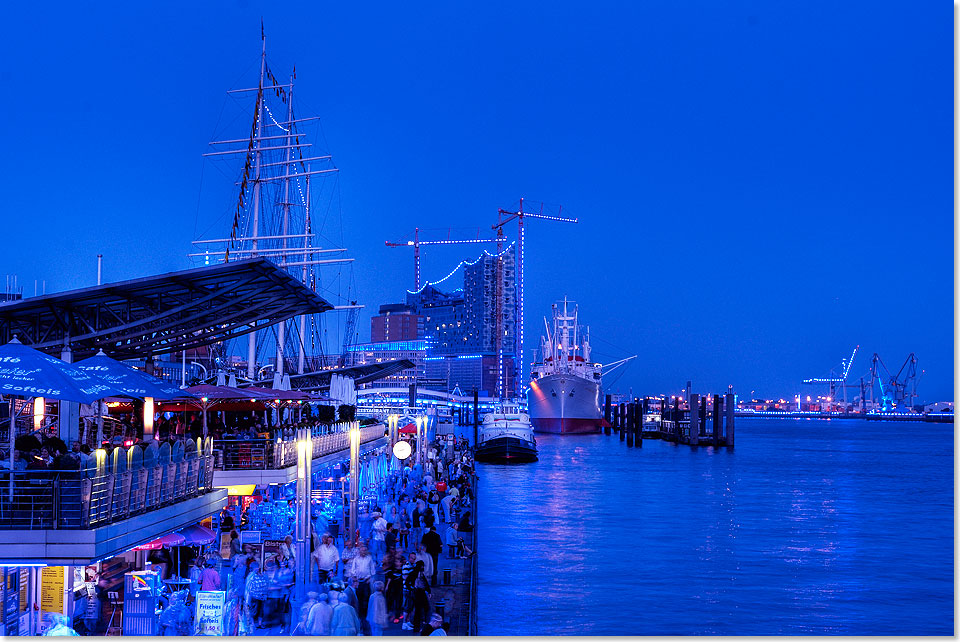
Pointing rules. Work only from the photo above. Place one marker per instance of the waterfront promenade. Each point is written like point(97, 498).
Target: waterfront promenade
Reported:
point(450, 594)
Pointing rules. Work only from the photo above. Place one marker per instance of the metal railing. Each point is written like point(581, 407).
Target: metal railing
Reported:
point(74, 499)
point(274, 454)
point(474, 564)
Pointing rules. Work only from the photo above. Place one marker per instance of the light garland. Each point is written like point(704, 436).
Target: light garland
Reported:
point(461, 264)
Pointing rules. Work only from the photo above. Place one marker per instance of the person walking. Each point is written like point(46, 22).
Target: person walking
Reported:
point(301, 627)
point(394, 588)
point(434, 546)
point(435, 625)
point(256, 594)
point(320, 616)
point(344, 620)
point(379, 532)
point(390, 538)
point(407, 577)
point(415, 530)
point(327, 559)
point(349, 552)
point(363, 571)
point(209, 578)
point(421, 597)
point(451, 537)
point(377, 610)
point(426, 558)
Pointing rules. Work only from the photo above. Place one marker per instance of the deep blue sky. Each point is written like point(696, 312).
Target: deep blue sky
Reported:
point(761, 185)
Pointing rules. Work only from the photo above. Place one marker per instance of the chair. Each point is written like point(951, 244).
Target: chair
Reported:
point(113, 598)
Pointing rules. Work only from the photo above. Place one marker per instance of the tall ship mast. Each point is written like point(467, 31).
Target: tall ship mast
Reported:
point(564, 394)
point(279, 179)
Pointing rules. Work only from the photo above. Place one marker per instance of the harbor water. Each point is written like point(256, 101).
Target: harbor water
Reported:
point(809, 527)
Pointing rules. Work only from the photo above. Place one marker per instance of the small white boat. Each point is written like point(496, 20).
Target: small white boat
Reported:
point(506, 436)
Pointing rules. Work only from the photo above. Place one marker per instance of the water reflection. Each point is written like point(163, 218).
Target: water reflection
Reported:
point(796, 532)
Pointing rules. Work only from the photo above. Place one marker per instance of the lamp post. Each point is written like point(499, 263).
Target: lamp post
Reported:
point(148, 419)
point(419, 421)
point(304, 479)
point(354, 475)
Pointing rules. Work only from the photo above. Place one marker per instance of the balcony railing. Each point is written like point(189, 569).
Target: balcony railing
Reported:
point(81, 499)
point(274, 454)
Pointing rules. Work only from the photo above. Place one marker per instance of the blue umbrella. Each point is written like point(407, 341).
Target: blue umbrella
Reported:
point(25, 372)
point(130, 381)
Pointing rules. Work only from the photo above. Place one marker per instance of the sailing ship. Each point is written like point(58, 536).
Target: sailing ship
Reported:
point(280, 181)
point(506, 436)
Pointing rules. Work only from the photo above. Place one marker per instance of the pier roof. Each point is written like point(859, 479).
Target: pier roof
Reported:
point(161, 314)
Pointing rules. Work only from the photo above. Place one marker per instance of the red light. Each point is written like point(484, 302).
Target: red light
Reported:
point(128, 443)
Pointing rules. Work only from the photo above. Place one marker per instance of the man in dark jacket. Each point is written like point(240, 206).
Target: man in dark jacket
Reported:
point(434, 545)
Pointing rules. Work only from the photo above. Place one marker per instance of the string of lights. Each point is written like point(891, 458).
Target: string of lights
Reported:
point(460, 265)
point(270, 113)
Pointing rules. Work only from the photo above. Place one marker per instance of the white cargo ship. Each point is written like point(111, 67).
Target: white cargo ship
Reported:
point(564, 394)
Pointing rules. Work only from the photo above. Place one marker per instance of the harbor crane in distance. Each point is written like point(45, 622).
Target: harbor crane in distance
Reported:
point(834, 381)
point(416, 243)
point(504, 217)
point(896, 391)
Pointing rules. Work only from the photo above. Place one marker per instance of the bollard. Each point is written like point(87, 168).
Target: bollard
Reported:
point(729, 407)
point(694, 419)
point(446, 576)
point(439, 606)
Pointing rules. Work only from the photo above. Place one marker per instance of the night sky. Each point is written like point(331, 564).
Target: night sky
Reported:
point(761, 186)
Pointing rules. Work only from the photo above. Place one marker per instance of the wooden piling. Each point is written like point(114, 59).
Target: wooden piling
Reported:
point(717, 419)
point(476, 417)
point(641, 412)
point(694, 419)
point(631, 426)
point(729, 408)
point(622, 416)
point(606, 415)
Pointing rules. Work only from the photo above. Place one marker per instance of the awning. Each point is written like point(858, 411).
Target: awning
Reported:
point(409, 429)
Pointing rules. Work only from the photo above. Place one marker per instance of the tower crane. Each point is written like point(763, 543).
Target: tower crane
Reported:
point(416, 243)
point(504, 217)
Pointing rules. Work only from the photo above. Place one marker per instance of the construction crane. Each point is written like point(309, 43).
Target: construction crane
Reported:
point(504, 217)
point(416, 243)
point(834, 381)
point(899, 391)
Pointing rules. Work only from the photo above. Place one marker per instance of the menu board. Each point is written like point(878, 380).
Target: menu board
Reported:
point(208, 619)
point(11, 600)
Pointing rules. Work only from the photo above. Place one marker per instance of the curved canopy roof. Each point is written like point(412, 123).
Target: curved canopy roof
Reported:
point(161, 314)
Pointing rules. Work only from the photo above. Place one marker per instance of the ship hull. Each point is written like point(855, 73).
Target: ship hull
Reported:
point(564, 404)
point(506, 450)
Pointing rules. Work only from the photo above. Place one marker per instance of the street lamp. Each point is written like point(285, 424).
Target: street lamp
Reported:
point(354, 475)
point(304, 479)
point(148, 419)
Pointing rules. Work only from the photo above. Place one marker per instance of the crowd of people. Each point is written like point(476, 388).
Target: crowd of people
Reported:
point(382, 574)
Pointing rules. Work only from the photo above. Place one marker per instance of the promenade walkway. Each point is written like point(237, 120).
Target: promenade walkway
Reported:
point(450, 596)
